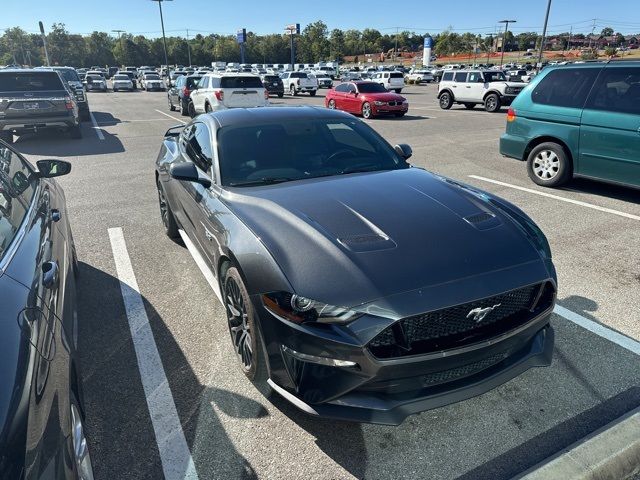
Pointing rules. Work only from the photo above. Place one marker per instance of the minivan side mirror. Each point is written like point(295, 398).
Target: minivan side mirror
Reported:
point(403, 150)
point(52, 168)
point(189, 172)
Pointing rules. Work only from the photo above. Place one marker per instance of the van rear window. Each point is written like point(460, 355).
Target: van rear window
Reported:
point(240, 82)
point(396, 75)
point(31, 81)
point(565, 87)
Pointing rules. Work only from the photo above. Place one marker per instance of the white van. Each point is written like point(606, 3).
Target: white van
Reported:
point(390, 80)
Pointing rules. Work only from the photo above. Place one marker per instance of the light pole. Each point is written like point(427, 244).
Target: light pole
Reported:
point(44, 43)
point(164, 39)
point(544, 34)
point(504, 37)
point(188, 47)
point(120, 32)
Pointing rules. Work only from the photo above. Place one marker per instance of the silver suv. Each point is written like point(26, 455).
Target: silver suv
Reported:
point(477, 87)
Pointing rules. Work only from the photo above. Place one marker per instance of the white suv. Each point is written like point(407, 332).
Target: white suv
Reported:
point(472, 87)
point(389, 80)
point(217, 91)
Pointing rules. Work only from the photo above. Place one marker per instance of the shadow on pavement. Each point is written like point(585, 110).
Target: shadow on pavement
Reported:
point(120, 431)
point(594, 187)
point(105, 119)
point(58, 144)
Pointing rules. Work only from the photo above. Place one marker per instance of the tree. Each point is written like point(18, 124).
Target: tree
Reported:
point(610, 51)
point(620, 40)
point(337, 43)
point(607, 32)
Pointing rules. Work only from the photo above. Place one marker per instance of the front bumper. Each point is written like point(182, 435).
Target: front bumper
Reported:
point(387, 391)
point(380, 109)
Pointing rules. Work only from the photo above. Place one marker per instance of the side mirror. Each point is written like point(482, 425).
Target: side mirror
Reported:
point(403, 150)
point(53, 168)
point(189, 172)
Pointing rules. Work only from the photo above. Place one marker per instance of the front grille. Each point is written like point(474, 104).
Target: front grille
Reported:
point(463, 371)
point(393, 104)
point(462, 324)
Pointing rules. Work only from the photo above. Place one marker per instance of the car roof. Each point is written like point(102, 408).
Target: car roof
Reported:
point(248, 116)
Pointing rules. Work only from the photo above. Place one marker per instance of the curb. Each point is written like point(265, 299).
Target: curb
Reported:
point(610, 453)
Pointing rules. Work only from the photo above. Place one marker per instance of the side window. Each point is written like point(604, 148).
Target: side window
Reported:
point(344, 135)
point(474, 77)
point(17, 186)
point(204, 82)
point(351, 88)
point(565, 87)
point(447, 76)
point(199, 147)
point(617, 90)
point(460, 77)
point(284, 76)
point(343, 87)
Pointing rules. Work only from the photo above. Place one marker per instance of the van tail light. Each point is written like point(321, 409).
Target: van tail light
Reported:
point(219, 95)
point(511, 115)
point(186, 92)
point(68, 103)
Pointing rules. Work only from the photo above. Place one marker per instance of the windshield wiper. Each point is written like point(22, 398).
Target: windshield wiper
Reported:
point(361, 168)
point(262, 181)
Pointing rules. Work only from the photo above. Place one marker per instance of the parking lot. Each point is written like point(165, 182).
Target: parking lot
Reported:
point(231, 430)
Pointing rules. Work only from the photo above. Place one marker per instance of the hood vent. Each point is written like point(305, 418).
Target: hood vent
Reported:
point(367, 242)
point(483, 220)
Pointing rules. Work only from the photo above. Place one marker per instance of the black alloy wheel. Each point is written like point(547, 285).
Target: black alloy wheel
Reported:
point(168, 220)
point(332, 104)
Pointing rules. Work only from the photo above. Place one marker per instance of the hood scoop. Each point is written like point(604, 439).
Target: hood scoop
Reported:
point(367, 242)
point(483, 220)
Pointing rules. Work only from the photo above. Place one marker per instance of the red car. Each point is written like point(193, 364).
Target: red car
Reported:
point(366, 98)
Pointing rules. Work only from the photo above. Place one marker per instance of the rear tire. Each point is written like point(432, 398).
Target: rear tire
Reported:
point(280, 95)
point(398, 90)
point(168, 219)
point(207, 108)
point(184, 108)
point(549, 165)
point(82, 465)
point(172, 107)
point(492, 103)
point(332, 104)
point(292, 91)
point(243, 328)
point(191, 109)
point(312, 93)
point(446, 101)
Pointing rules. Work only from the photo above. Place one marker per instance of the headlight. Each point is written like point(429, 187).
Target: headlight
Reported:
point(299, 309)
point(377, 102)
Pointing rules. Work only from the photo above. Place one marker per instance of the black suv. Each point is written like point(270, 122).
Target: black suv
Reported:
point(180, 92)
point(33, 100)
point(71, 78)
point(273, 84)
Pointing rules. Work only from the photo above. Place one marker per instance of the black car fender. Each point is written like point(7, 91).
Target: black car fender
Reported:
point(489, 92)
point(447, 90)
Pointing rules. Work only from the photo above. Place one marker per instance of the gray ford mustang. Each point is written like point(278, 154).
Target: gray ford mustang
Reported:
point(357, 286)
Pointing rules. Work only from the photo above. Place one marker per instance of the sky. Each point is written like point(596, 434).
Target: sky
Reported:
point(225, 17)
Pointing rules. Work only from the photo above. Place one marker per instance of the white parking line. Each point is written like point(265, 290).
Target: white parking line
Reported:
point(599, 329)
point(170, 116)
point(202, 265)
point(96, 128)
point(557, 197)
point(177, 462)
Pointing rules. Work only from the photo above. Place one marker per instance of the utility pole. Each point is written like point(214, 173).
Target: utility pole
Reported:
point(593, 29)
point(120, 32)
point(504, 37)
point(544, 34)
point(570, 35)
point(44, 43)
point(188, 47)
point(164, 38)
point(395, 49)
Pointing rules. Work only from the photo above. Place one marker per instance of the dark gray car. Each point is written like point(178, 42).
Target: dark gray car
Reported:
point(34, 100)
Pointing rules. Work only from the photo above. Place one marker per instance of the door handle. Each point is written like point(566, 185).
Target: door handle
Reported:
point(55, 215)
point(468, 87)
point(49, 274)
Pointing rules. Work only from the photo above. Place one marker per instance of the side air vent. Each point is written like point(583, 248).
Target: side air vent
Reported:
point(483, 220)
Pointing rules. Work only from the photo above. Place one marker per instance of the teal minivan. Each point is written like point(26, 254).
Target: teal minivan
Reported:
point(579, 120)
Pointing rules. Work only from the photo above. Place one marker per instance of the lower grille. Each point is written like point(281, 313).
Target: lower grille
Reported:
point(463, 371)
point(462, 324)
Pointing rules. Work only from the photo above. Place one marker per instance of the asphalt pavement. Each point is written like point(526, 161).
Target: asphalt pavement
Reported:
point(231, 430)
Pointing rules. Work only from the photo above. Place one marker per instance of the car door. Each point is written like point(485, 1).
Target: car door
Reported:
point(338, 95)
point(197, 149)
point(475, 86)
point(38, 259)
point(461, 89)
point(610, 127)
point(351, 99)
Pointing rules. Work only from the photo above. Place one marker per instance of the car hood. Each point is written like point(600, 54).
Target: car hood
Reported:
point(352, 239)
point(383, 97)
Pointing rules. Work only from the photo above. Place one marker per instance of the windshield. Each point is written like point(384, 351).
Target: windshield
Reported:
point(300, 149)
point(95, 76)
point(371, 87)
point(121, 77)
point(494, 77)
point(68, 74)
point(152, 77)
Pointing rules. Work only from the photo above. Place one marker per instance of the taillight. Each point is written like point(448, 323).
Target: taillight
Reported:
point(219, 95)
point(186, 92)
point(68, 103)
point(511, 115)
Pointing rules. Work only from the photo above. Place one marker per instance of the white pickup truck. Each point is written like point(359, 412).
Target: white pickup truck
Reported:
point(296, 82)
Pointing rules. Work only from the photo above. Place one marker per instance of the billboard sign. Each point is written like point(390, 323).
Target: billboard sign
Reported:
point(241, 36)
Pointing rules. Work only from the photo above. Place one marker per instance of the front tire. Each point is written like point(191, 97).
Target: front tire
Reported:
point(549, 165)
point(366, 110)
point(332, 104)
point(292, 91)
point(166, 214)
point(492, 103)
point(398, 90)
point(83, 467)
point(191, 109)
point(446, 101)
point(245, 336)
